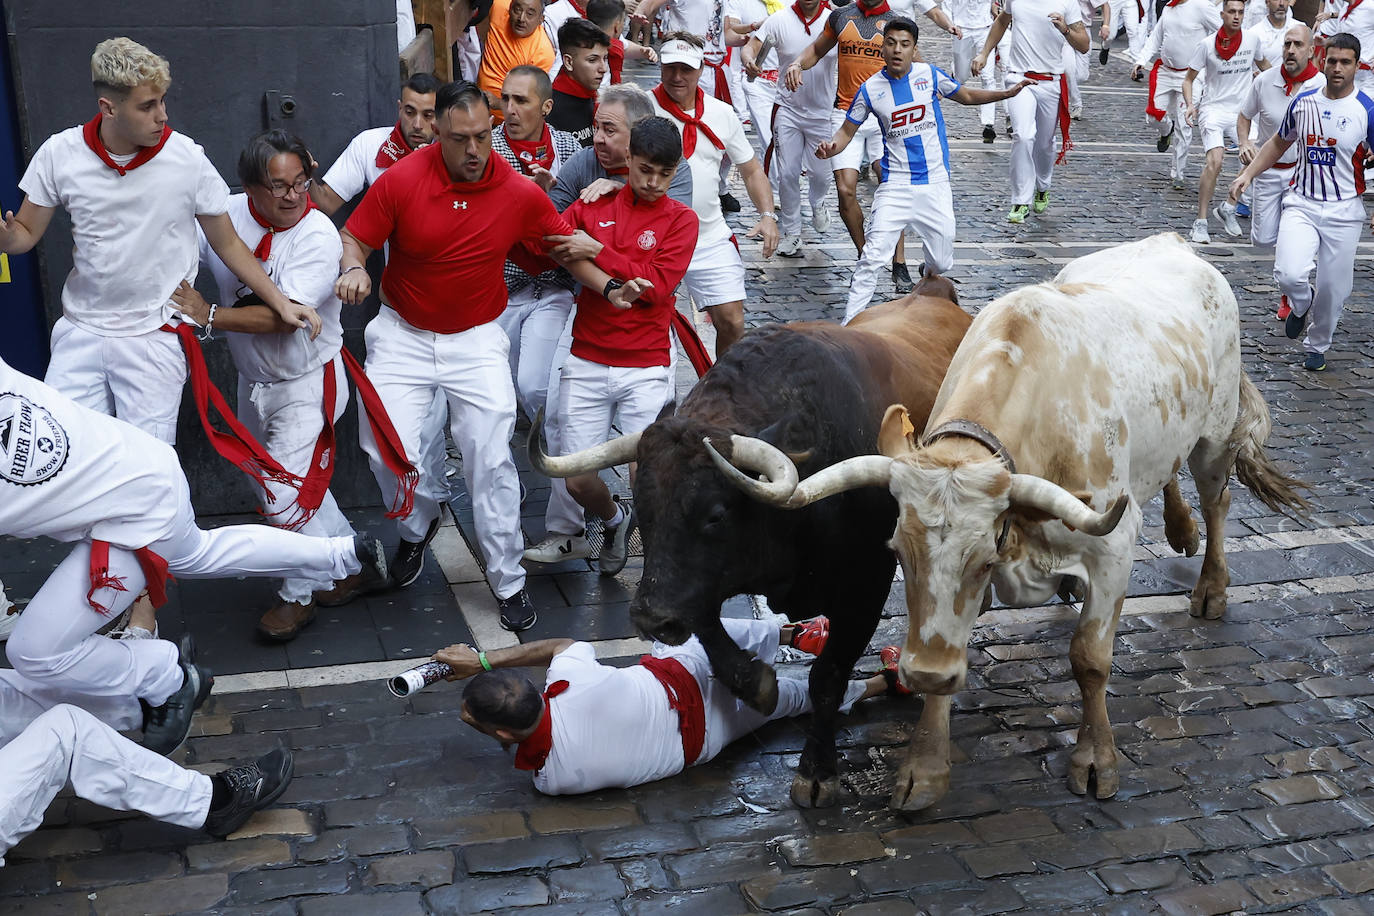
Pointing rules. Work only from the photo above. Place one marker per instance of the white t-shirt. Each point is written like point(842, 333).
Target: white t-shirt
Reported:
point(705, 162)
point(1333, 137)
point(1227, 80)
point(1266, 103)
point(70, 473)
point(705, 18)
point(357, 168)
point(612, 727)
point(134, 234)
point(1036, 45)
point(304, 263)
point(1358, 22)
point(746, 12)
point(970, 14)
point(1178, 31)
point(1271, 38)
point(791, 37)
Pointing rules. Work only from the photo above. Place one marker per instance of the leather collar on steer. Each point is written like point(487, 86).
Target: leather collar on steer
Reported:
point(982, 435)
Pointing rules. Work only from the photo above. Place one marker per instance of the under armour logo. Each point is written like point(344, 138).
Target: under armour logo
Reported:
point(460, 205)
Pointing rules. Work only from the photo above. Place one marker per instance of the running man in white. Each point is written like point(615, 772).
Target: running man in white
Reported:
point(1182, 26)
point(1228, 62)
point(1355, 18)
point(915, 192)
point(1323, 213)
point(1076, 63)
point(801, 119)
point(75, 475)
point(1040, 30)
point(759, 94)
point(1135, 16)
point(1275, 19)
point(973, 18)
point(135, 190)
point(1265, 104)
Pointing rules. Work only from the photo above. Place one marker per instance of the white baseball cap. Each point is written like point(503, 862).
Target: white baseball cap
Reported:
point(678, 51)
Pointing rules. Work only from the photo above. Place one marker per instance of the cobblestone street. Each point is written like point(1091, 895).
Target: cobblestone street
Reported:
point(1247, 781)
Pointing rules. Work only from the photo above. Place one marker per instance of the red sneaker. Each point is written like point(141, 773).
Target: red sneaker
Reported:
point(889, 656)
point(811, 635)
point(1283, 308)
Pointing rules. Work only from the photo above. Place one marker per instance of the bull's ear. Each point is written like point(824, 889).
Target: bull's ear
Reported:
point(668, 410)
point(791, 436)
point(897, 436)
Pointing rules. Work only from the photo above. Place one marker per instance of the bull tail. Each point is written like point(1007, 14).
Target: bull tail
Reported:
point(1254, 467)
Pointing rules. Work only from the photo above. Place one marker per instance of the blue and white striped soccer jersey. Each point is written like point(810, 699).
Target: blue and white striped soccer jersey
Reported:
point(1332, 137)
point(916, 149)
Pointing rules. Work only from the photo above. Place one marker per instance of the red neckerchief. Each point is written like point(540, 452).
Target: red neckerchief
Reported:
point(1351, 8)
point(623, 170)
point(1227, 43)
point(533, 152)
point(690, 123)
point(874, 11)
point(581, 10)
point(394, 149)
point(1302, 77)
point(91, 132)
point(565, 84)
point(531, 753)
point(264, 249)
point(808, 23)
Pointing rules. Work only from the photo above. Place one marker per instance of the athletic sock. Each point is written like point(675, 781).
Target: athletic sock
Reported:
point(615, 520)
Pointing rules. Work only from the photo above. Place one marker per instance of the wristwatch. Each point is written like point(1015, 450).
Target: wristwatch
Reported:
point(611, 286)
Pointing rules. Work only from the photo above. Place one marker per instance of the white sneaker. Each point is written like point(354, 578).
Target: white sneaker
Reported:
point(9, 619)
point(559, 547)
point(820, 219)
point(1200, 233)
point(1076, 112)
point(1227, 215)
point(789, 247)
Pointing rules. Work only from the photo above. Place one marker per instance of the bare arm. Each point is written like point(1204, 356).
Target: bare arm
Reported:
point(1189, 111)
point(748, 57)
point(837, 143)
point(807, 59)
point(737, 33)
point(1077, 37)
point(246, 319)
point(1248, 150)
point(325, 198)
point(466, 662)
point(761, 193)
point(354, 285)
point(219, 231)
point(995, 32)
point(1269, 153)
point(20, 233)
point(941, 18)
point(967, 95)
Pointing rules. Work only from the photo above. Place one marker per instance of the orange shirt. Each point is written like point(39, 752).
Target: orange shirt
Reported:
point(504, 51)
point(859, 42)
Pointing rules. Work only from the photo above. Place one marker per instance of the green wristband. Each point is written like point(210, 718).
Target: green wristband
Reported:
point(482, 657)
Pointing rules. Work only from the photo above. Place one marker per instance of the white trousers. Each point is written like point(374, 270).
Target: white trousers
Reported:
point(1077, 70)
point(1137, 31)
point(137, 379)
point(472, 370)
point(67, 744)
point(758, 99)
point(592, 398)
point(533, 321)
point(287, 417)
point(1034, 116)
point(1266, 205)
point(729, 718)
point(796, 134)
point(965, 50)
point(55, 644)
point(927, 209)
point(1321, 235)
point(1169, 99)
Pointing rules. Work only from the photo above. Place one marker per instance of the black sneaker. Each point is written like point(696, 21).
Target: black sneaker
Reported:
point(517, 612)
point(254, 787)
point(1102, 55)
point(1294, 323)
point(1162, 144)
point(901, 277)
point(728, 204)
point(989, 134)
point(409, 560)
point(165, 726)
point(369, 552)
point(615, 549)
point(1315, 362)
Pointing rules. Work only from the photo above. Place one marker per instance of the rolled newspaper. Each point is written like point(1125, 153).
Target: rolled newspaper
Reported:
point(417, 678)
point(765, 47)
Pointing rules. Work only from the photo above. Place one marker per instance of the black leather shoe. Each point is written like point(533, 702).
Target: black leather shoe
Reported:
point(253, 788)
point(409, 559)
point(165, 726)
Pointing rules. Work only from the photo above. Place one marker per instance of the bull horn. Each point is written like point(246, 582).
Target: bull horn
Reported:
point(750, 454)
point(849, 474)
point(1039, 493)
point(589, 461)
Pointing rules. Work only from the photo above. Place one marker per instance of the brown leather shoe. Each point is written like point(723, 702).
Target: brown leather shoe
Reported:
point(348, 588)
point(285, 621)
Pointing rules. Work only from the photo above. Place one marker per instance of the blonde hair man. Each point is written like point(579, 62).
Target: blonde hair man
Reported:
point(134, 189)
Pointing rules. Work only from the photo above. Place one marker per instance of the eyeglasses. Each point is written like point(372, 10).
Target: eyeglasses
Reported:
point(280, 191)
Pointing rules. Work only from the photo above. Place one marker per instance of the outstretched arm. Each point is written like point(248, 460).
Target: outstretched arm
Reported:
point(19, 234)
point(465, 661)
point(967, 95)
point(219, 232)
point(837, 143)
point(941, 18)
point(995, 32)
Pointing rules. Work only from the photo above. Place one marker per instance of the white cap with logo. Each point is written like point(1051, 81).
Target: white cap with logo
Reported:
point(677, 51)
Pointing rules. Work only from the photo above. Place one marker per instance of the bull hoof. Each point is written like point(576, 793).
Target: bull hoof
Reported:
point(1186, 541)
point(764, 697)
point(808, 792)
point(1105, 778)
point(917, 790)
point(1208, 604)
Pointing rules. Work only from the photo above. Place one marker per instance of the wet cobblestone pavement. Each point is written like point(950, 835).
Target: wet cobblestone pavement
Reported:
point(1247, 782)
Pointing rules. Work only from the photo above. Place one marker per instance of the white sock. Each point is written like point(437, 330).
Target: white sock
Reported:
point(614, 521)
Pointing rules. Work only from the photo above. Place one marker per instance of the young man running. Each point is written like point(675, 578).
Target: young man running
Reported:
point(1265, 104)
point(914, 193)
point(1228, 62)
point(1323, 212)
point(1040, 32)
point(1183, 25)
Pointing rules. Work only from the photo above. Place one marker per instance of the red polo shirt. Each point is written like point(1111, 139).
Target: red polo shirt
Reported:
point(654, 241)
point(448, 240)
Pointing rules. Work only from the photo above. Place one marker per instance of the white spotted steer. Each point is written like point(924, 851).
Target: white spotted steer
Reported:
point(1068, 405)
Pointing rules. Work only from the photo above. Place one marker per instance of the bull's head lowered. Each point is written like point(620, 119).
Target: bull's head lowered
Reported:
point(953, 501)
point(704, 540)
